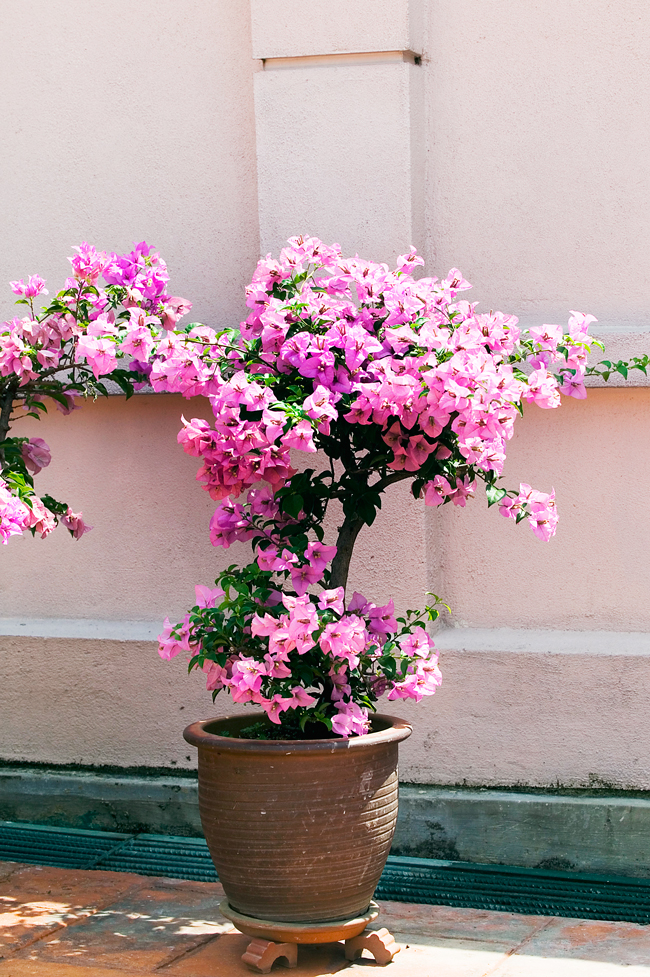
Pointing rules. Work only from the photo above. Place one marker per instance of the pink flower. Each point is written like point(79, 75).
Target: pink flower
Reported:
point(423, 678)
point(436, 492)
point(174, 309)
point(542, 389)
point(216, 676)
point(14, 514)
point(464, 490)
point(40, 519)
point(170, 646)
point(573, 385)
point(69, 397)
point(303, 577)
point(417, 644)
point(274, 707)
point(87, 264)
point(301, 698)
point(382, 619)
point(332, 599)
point(281, 641)
point(138, 342)
point(36, 455)
point(74, 522)
point(265, 626)
point(358, 603)
point(35, 286)
point(247, 674)
point(409, 262)
point(99, 354)
point(319, 555)
point(300, 437)
point(345, 638)
point(351, 720)
point(207, 596)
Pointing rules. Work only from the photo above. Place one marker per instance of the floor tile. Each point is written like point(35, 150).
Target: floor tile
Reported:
point(26, 968)
point(146, 928)
point(222, 958)
point(462, 924)
point(36, 900)
point(8, 868)
point(422, 956)
point(624, 944)
point(529, 966)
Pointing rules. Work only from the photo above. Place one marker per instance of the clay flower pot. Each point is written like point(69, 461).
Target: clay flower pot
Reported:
point(299, 830)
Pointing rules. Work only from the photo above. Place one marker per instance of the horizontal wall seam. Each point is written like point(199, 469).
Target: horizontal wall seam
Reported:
point(516, 641)
point(80, 629)
point(333, 60)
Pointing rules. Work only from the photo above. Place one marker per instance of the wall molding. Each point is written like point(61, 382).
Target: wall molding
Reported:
point(335, 60)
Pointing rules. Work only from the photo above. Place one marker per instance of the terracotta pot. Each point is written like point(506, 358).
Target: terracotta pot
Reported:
point(298, 829)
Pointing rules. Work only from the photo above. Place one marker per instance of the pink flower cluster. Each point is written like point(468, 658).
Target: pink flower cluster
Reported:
point(14, 514)
point(17, 516)
point(348, 642)
point(540, 506)
point(378, 348)
point(84, 334)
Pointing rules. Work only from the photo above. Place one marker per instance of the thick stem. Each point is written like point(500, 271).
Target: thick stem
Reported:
point(6, 407)
point(348, 533)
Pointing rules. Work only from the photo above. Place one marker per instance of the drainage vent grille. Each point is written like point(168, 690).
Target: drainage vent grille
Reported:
point(424, 880)
point(513, 889)
point(175, 858)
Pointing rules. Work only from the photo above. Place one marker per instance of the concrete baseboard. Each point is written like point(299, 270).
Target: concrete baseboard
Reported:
point(602, 834)
point(101, 801)
point(581, 833)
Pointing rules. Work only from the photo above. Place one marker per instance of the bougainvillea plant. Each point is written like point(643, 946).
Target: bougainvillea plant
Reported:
point(102, 326)
point(387, 378)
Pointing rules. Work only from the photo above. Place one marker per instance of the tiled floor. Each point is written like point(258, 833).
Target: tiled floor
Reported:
point(60, 923)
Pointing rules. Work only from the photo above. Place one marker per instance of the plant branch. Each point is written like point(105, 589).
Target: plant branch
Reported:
point(383, 483)
point(348, 533)
point(6, 407)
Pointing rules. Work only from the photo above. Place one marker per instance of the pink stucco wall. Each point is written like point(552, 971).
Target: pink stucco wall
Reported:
point(537, 183)
point(120, 124)
point(595, 573)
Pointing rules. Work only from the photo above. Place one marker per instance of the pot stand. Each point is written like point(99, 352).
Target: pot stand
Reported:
point(274, 940)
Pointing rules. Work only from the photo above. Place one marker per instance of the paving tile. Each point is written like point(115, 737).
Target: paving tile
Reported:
point(222, 958)
point(422, 956)
point(37, 900)
point(146, 928)
point(529, 966)
point(593, 943)
point(26, 968)
point(8, 868)
point(463, 924)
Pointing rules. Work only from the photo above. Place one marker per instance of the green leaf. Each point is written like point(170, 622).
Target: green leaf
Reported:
point(122, 379)
point(494, 494)
point(292, 505)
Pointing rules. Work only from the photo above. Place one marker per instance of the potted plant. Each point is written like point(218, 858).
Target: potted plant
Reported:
point(379, 378)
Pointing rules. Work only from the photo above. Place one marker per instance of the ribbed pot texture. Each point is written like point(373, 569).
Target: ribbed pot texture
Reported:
point(299, 830)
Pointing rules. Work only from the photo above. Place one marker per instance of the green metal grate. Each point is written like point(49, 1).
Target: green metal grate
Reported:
point(507, 888)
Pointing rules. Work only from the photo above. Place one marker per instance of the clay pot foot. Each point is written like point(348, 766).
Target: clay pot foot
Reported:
point(261, 955)
point(380, 943)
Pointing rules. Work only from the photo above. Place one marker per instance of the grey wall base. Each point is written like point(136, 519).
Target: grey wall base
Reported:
point(101, 802)
point(602, 834)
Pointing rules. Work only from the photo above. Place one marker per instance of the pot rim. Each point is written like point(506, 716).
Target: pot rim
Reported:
point(196, 733)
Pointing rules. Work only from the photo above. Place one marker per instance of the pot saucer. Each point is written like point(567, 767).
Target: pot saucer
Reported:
point(279, 932)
